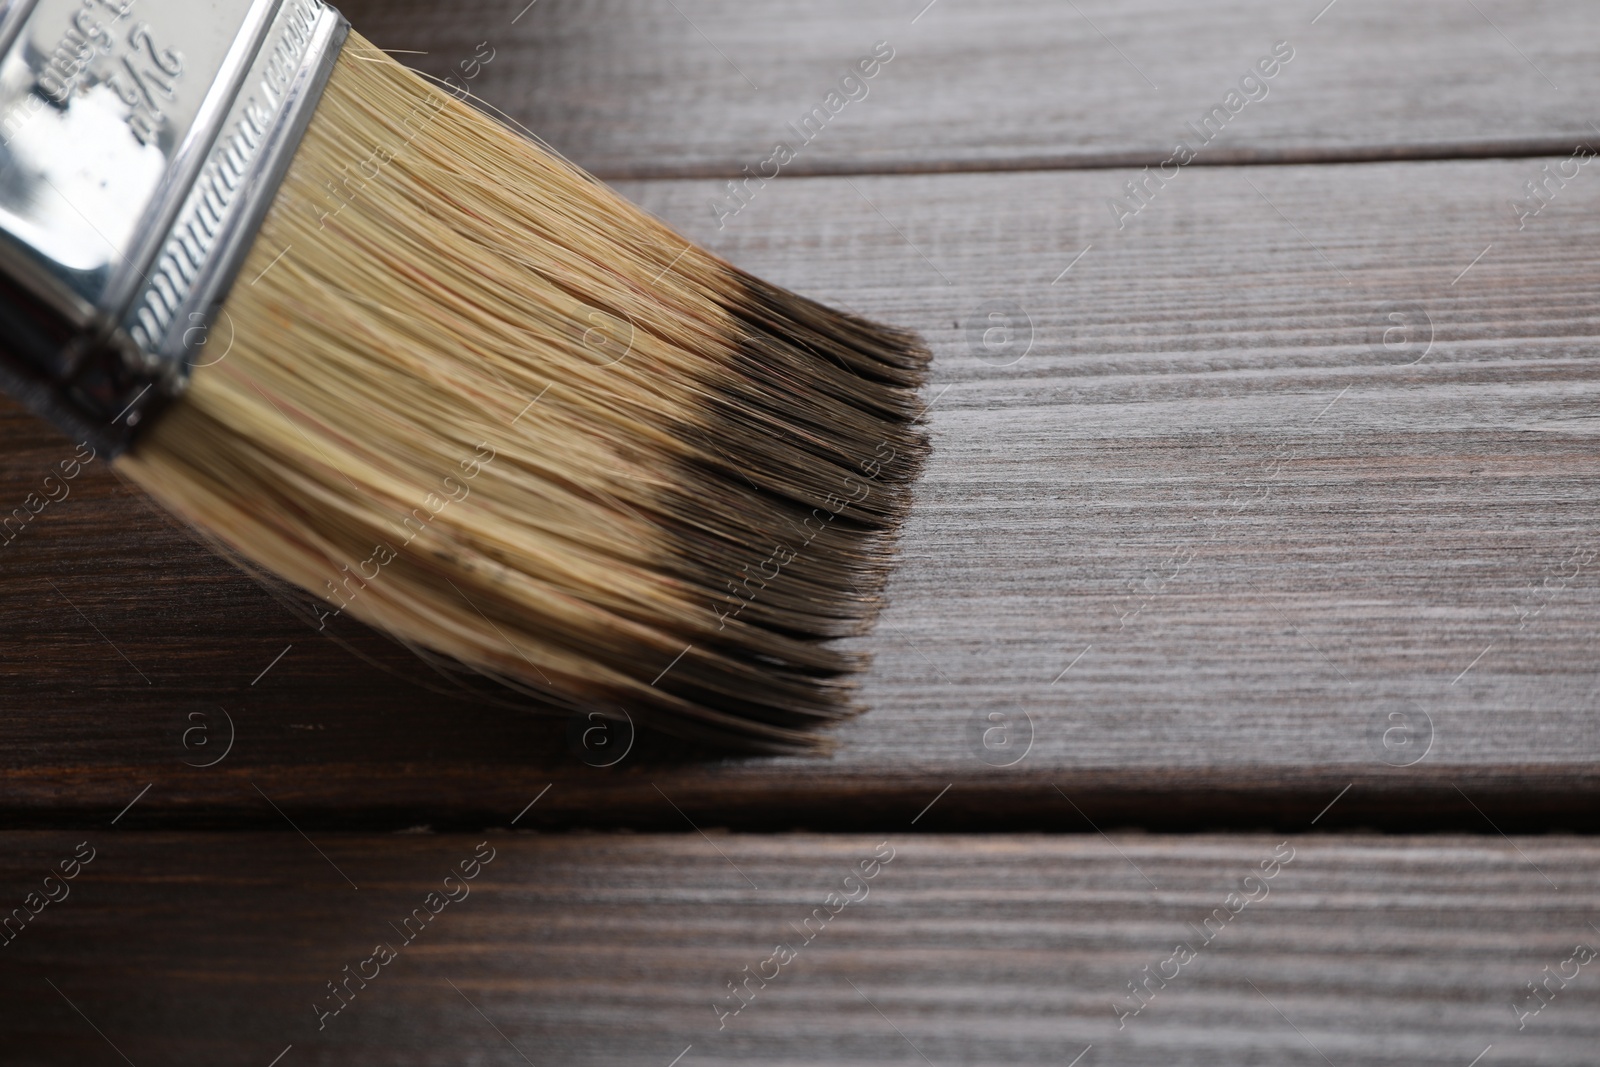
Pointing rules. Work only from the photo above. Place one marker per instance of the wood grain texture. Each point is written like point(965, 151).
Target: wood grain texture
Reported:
point(706, 87)
point(586, 949)
point(1220, 547)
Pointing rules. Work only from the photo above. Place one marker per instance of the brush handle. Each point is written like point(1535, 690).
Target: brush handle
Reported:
point(141, 142)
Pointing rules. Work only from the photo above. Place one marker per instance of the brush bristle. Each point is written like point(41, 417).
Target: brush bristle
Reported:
point(477, 400)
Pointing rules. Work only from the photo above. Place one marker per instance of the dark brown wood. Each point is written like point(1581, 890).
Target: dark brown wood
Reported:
point(585, 949)
point(1287, 548)
point(647, 89)
point(1283, 515)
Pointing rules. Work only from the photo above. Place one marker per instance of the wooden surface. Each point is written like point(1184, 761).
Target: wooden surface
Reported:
point(1196, 550)
point(1270, 533)
point(1208, 554)
point(705, 87)
point(594, 949)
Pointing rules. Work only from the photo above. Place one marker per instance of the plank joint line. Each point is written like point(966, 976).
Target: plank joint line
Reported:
point(1108, 840)
point(531, 803)
point(702, 833)
point(132, 802)
point(1502, 833)
point(1331, 803)
point(302, 833)
point(931, 803)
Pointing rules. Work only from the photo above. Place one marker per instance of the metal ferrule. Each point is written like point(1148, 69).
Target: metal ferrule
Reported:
point(141, 143)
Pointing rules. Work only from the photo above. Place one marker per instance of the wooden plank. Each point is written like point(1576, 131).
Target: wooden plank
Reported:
point(584, 949)
point(1218, 548)
point(707, 87)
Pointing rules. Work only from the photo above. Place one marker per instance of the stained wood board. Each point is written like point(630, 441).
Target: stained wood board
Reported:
point(1226, 540)
point(709, 87)
point(594, 949)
